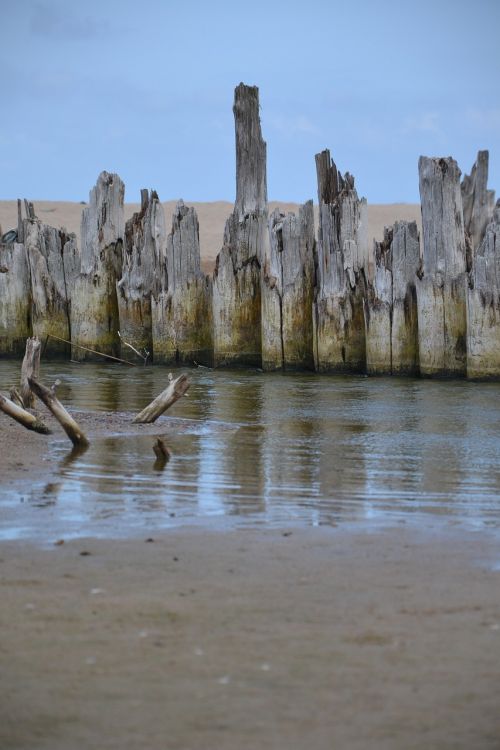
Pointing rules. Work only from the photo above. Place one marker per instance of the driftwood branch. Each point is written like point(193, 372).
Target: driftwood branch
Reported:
point(93, 351)
point(70, 427)
point(174, 391)
point(22, 416)
point(144, 356)
point(30, 368)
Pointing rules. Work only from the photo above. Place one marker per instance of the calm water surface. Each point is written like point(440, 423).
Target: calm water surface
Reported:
point(266, 450)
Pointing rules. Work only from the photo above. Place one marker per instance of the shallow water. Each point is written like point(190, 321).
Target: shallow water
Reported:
point(254, 449)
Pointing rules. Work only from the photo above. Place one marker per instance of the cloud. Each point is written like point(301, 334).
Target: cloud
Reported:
point(60, 22)
point(485, 119)
point(425, 122)
point(292, 126)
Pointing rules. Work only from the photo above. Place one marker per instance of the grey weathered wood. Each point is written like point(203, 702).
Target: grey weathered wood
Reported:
point(236, 280)
point(143, 252)
point(15, 299)
point(22, 416)
point(441, 291)
point(69, 425)
point(94, 302)
point(288, 276)
point(52, 278)
point(483, 305)
point(174, 391)
point(182, 309)
point(30, 368)
point(339, 335)
point(478, 202)
point(391, 303)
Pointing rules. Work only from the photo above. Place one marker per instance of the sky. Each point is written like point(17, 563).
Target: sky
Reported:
point(145, 89)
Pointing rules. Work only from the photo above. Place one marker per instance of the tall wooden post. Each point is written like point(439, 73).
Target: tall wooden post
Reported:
point(236, 281)
point(342, 256)
point(441, 292)
point(94, 303)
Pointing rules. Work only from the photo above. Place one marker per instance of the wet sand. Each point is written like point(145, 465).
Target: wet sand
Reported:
point(314, 638)
point(285, 638)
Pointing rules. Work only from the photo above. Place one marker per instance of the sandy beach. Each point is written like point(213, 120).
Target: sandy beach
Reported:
point(284, 638)
point(212, 218)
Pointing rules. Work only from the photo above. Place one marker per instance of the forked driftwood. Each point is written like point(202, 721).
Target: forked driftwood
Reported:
point(22, 416)
point(49, 398)
point(30, 368)
point(174, 391)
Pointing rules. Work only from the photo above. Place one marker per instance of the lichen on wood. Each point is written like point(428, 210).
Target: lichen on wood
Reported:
point(237, 275)
point(94, 304)
point(483, 306)
point(441, 290)
point(288, 276)
point(15, 299)
point(339, 328)
point(143, 253)
point(182, 306)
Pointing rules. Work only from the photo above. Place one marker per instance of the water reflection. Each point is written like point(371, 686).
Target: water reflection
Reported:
point(268, 449)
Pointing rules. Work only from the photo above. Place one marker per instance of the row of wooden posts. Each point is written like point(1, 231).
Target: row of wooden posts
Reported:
point(280, 297)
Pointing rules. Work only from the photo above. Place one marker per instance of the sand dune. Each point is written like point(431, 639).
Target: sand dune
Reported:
point(212, 217)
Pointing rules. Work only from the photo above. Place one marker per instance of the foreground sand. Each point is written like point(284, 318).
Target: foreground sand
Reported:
point(287, 639)
point(212, 217)
point(318, 639)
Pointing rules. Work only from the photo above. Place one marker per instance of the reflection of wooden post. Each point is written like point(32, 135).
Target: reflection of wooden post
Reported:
point(22, 416)
point(30, 368)
point(483, 306)
point(288, 291)
point(94, 302)
point(236, 281)
point(182, 306)
point(161, 403)
point(339, 336)
point(441, 292)
point(49, 398)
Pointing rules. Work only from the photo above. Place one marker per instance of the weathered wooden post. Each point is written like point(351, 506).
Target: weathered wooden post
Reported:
point(94, 303)
point(182, 307)
point(236, 281)
point(478, 202)
point(54, 261)
point(441, 292)
point(288, 277)
point(391, 303)
point(483, 305)
point(15, 299)
point(143, 253)
point(339, 334)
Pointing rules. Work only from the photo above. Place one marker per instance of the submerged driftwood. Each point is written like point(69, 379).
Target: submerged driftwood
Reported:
point(182, 307)
point(174, 391)
point(236, 281)
point(391, 303)
point(339, 336)
point(288, 275)
point(483, 306)
point(441, 291)
point(94, 303)
point(143, 253)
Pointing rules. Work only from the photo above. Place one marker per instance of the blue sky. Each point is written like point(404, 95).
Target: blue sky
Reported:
point(145, 89)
